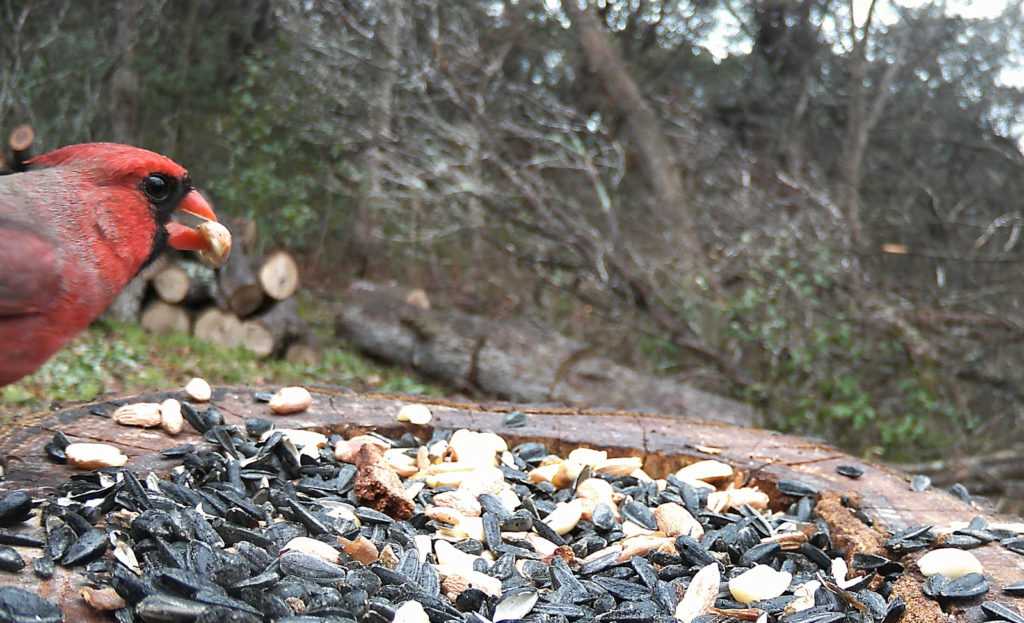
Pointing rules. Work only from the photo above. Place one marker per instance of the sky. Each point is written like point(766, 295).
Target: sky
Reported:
point(725, 41)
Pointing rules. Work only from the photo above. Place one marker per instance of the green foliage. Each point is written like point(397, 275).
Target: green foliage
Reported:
point(115, 357)
point(270, 174)
point(827, 374)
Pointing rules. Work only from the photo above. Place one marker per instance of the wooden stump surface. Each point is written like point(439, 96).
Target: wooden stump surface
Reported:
point(666, 443)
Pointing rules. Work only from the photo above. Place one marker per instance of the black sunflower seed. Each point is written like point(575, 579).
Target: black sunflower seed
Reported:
point(9, 537)
point(1001, 612)
point(850, 471)
point(1015, 545)
point(161, 607)
point(10, 559)
point(43, 567)
point(88, 547)
point(795, 488)
point(17, 605)
point(514, 419)
point(178, 451)
point(639, 514)
point(600, 563)
point(959, 491)
point(692, 551)
point(1015, 588)
point(964, 587)
point(895, 610)
point(962, 541)
point(15, 507)
point(867, 562)
point(761, 553)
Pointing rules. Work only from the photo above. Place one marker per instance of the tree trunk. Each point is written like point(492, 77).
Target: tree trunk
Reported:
point(655, 153)
point(124, 81)
point(862, 116)
point(367, 218)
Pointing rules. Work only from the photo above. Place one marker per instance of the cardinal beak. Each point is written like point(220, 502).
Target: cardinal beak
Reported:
point(210, 238)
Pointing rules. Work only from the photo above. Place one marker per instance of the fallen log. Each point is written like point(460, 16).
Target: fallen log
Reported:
point(511, 359)
point(664, 443)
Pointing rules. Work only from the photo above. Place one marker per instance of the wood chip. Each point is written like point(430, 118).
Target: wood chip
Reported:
point(102, 599)
point(379, 486)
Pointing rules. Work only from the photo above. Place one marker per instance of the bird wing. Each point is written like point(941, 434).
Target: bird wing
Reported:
point(29, 270)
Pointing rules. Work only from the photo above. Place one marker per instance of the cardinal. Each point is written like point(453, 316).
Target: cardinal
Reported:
point(75, 227)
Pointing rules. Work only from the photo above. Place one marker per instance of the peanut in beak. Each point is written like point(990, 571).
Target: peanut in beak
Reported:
point(218, 242)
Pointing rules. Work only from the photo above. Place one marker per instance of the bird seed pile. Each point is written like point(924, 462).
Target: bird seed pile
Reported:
point(293, 526)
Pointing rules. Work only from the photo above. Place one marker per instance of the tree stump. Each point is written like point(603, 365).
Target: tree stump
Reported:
point(665, 443)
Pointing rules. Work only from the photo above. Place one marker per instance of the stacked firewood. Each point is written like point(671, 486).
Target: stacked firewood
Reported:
point(246, 302)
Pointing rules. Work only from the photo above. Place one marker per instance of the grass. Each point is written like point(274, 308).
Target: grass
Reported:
point(115, 357)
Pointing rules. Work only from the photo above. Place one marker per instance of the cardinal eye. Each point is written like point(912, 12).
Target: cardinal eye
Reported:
point(157, 187)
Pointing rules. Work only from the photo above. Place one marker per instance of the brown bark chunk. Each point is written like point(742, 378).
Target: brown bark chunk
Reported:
point(848, 532)
point(378, 485)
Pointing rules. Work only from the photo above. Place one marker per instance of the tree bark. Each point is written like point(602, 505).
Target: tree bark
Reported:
point(124, 81)
point(655, 153)
point(368, 211)
point(862, 116)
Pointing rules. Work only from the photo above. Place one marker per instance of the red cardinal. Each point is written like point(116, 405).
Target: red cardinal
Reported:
point(74, 229)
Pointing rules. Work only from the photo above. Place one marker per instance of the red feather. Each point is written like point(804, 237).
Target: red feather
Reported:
point(74, 229)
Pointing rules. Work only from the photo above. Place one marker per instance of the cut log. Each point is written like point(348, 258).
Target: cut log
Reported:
point(161, 317)
point(20, 143)
point(272, 331)
point(158, 264)
point(257, 339)
point(190, 283)
point(219, 327)
point(239, 286)
point(279, 275)
point(664, 443)
point(306, 351)
point(171, 284)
